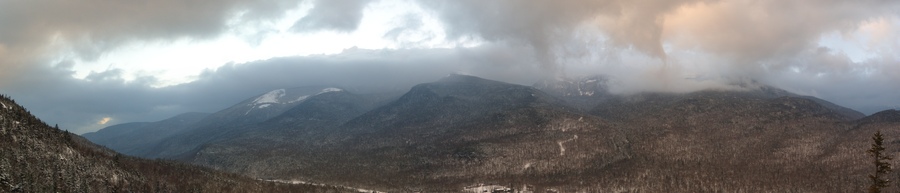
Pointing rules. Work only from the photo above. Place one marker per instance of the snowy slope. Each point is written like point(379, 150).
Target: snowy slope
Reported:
point(238, 119)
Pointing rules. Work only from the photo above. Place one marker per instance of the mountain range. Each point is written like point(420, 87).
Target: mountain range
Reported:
point(556, 135)
point(35, 157)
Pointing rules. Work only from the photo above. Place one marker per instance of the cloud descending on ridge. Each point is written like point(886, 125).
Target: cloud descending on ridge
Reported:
point(718, 42)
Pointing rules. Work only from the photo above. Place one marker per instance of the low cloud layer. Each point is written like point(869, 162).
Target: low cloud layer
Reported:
point(644, 45)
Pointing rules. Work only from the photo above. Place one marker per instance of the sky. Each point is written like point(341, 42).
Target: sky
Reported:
point(88, 64)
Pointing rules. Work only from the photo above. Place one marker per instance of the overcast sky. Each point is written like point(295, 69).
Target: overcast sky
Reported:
point(88, 64)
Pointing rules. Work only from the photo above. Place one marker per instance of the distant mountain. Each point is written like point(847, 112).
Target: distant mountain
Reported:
point(619, 107)
point(771, 92)
point(38, 158)
point(886, 116)
point(135, 138)
point(281, 144)
point(588, 92)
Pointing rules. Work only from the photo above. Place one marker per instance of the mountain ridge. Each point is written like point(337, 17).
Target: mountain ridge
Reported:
point(233, 120)
point(462, 130)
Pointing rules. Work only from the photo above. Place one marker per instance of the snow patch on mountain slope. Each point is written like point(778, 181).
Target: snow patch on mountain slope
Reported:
point(304, 97)
point(330, 90)
point(4, 106)
point(270, 97)
point(301, 98)
point(274, 97)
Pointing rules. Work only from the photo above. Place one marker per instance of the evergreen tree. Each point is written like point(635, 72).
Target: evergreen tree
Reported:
point(882, 167)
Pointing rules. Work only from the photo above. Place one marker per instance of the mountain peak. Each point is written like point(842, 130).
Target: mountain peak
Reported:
point(466, 86)
point(455, 77)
